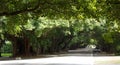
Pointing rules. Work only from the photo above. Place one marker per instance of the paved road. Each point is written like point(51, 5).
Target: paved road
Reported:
point(71, 58)
point(63, 60)
point(67, 59)
point(107, 60)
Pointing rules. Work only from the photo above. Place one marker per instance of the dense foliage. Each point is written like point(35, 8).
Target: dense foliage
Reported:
point(49, 26)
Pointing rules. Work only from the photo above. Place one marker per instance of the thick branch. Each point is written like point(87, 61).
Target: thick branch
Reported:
point(20, 11)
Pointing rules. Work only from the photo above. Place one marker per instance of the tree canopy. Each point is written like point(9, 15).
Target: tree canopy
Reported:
point(53, 8)
point(55, 25)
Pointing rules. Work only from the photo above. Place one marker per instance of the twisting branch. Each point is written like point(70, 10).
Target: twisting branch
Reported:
point(21, 11)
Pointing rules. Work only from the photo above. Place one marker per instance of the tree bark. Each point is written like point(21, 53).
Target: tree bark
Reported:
point(27, 47)
point(1, 44)
point(21, 47)
point(0, 47)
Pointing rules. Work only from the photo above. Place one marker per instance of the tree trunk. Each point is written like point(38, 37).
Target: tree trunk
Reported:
point(21, 47)
point(0, 49)
point(27, 47)
point(14, 46)
point(1, 44)
point(0, 52)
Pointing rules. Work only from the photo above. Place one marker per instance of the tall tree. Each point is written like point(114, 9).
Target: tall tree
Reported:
point(17, 13)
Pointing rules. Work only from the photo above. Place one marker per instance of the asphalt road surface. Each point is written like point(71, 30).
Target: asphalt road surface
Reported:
point(67, 59)
point(77, 57)
point(62, 60)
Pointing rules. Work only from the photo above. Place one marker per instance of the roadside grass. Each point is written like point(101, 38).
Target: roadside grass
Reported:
point(6, 54)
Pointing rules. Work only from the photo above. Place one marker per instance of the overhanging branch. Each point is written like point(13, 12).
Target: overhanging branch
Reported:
point(20, 11)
